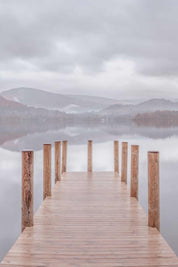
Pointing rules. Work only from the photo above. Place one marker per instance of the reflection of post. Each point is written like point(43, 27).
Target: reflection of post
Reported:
point(64, 156)
point(57, 161)
point(153, 190)
point(116, 156)
point(89, 156)
point(46, 170)
point(27, 189)
point(134, 171)
point(124, 162)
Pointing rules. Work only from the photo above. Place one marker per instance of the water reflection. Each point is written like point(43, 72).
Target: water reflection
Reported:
point(163, 140)
point(33, 136)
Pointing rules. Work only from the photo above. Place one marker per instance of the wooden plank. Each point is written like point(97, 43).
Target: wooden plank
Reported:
point(90, 220)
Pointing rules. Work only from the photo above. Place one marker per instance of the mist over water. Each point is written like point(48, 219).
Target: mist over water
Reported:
point(88, 70)
point(163, 140)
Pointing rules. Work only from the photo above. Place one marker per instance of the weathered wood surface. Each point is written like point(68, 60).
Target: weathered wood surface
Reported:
point(124, 162)
point(116, 156)
point(153, 190)
point(90, 220)
point(64, 156)
point(46, 170)
point(134, 171)
point(57, 146)
point(27, 188)
point(90, 151)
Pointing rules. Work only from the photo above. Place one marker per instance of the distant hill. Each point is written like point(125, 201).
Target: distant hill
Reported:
point(33, 104)
point(147, 106)
point(12, 110)
point(7, 104)
point(66, 103)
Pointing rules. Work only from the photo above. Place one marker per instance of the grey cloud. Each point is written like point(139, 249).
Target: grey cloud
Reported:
point(58, 35)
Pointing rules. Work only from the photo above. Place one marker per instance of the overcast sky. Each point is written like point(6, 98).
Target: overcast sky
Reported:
point(114, 48)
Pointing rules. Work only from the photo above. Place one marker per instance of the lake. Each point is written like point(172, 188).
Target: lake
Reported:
point(160, 139)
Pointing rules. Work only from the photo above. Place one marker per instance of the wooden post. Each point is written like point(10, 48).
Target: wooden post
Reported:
point(27, 189)
point(124, 162)
point(46, 170)
point(90, 156)
point(116, 156)
point(134, 171)
point(153, 190)
point(57, 145)
point(65, 166)
point(64, 156)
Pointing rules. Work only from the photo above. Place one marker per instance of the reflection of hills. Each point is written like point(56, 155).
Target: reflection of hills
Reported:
point(12, 129)
point(133, 129)
point(79, 134)
point(72, 134)
point(158, 119)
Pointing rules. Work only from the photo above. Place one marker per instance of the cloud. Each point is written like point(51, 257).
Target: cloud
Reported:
point(56, 37)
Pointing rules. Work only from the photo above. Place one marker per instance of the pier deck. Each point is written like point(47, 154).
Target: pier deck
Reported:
point(90, 220)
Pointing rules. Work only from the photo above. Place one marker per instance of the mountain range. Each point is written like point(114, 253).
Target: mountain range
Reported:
point(151, 105)
point(12, 110)
point(35, 103)
point(66, 103)
point(25, 112)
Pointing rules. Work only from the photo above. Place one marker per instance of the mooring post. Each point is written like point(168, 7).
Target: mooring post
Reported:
point(27, 189)
point(90, 143)
point(153, 190)
point(65, 166)
point(64, 156)
point(134, 171)
point(124, 162)
point(57, 146)
point(116, 156)
point(46, 170)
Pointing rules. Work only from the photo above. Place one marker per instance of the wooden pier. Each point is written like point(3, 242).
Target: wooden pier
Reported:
point(90, 219)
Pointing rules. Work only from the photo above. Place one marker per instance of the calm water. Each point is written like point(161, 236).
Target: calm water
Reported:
point(10, 173)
